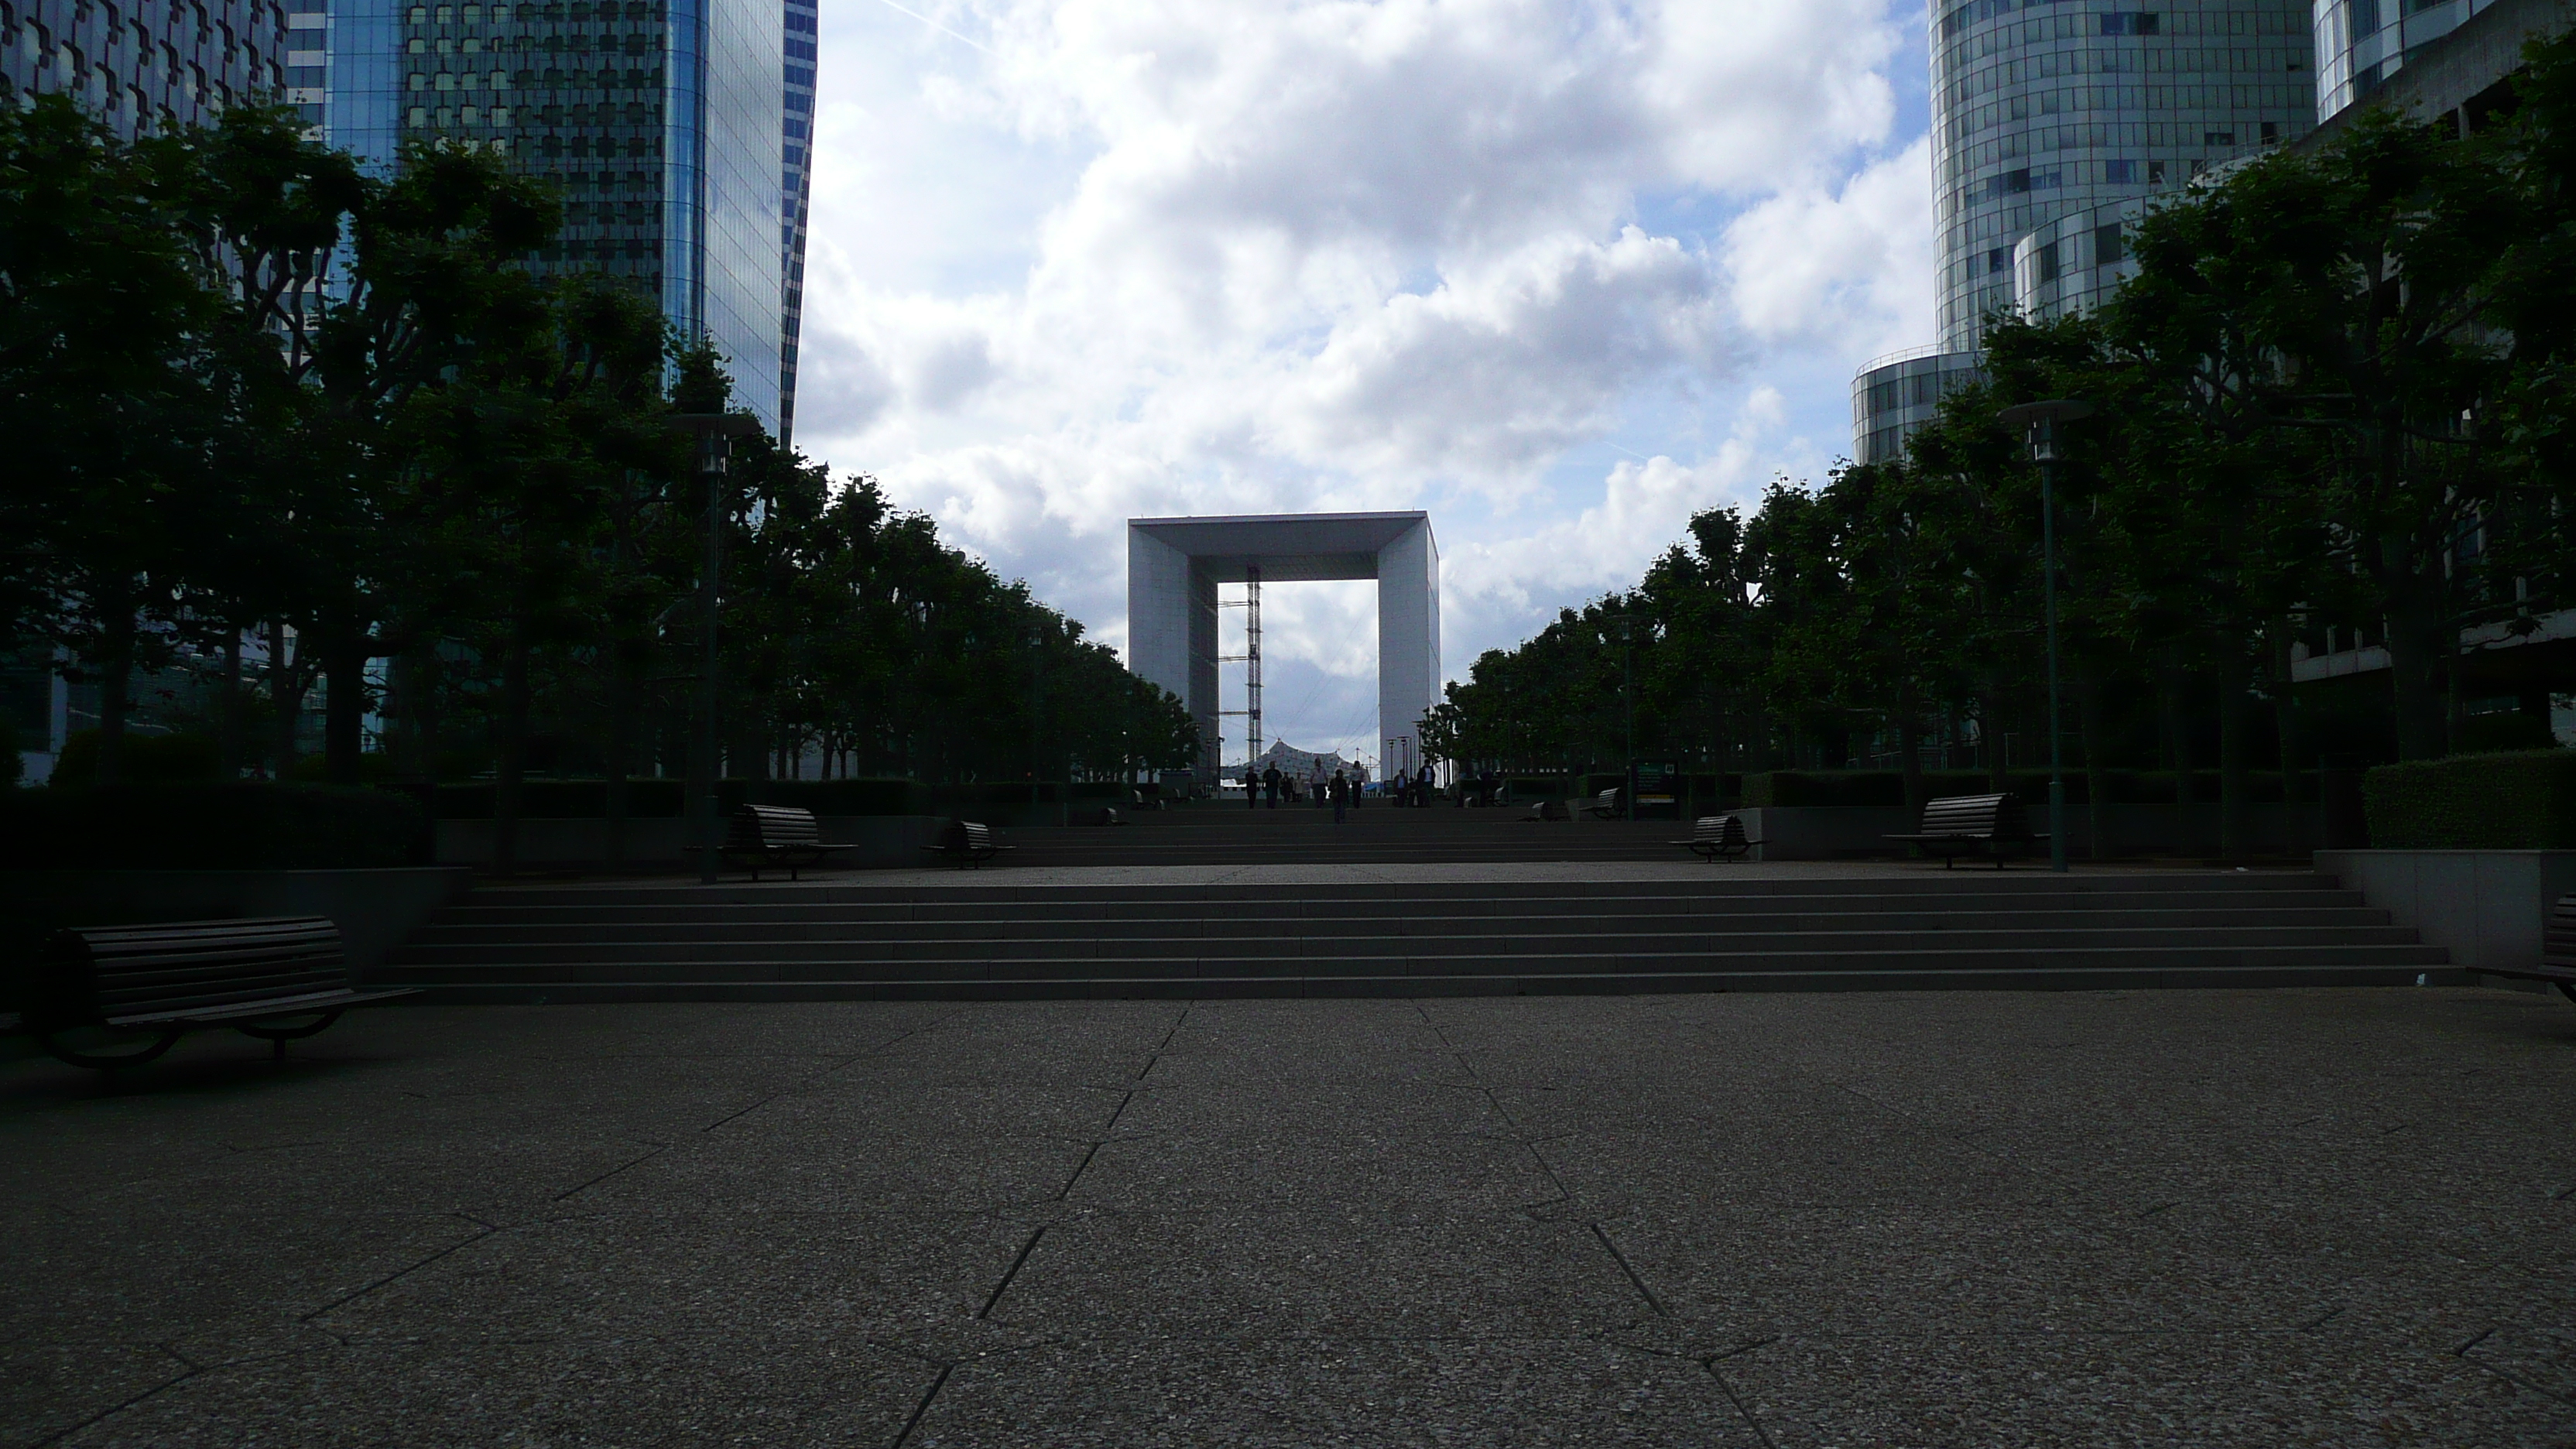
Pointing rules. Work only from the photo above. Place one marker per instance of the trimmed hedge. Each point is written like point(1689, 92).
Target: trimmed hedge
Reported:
point(248, 826)
point(1885, 789)
point(665, 798)
point(2519, 800)
point(145, 760)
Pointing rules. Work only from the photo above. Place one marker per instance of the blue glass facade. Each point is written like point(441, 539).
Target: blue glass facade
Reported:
point(661, 123)
point(797, 182)
point(2361, 43)
point(2043, 108)
point(142, 65)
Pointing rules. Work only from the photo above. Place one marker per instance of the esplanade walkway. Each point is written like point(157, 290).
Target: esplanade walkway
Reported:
point(1271, 1152)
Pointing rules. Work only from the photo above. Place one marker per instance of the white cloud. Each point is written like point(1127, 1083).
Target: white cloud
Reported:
point(1195, 256)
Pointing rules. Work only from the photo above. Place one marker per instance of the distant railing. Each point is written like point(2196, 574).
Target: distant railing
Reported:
point(1909, 354)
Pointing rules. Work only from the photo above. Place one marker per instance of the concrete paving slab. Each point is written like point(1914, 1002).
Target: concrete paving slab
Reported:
point(2286, 1217)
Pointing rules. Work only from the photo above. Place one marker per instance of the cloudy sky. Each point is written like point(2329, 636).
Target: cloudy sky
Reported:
point(1560, 272)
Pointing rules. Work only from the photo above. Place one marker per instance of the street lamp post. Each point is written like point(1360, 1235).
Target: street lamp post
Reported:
point(714, 432)
point(2042, 419)
point(1628, 699)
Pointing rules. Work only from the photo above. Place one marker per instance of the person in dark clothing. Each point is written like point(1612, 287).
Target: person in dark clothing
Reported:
point(1270, 785)
point(1251, 788)
point(1341, 796)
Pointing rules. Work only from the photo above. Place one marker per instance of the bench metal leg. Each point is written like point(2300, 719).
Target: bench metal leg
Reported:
point(278, 1036)
point(136, 1056)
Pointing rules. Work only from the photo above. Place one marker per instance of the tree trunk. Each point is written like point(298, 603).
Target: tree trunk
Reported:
point(1909, 738)
point(621, 745)
point(286, 692)
point(2173, 685)
point(2097, 776)
point(510, 766)
point(228, 740)
point(115, 682)
point(1990, 715)
point(2285, 715)
point(2418, 656)
point(344, 704)
point(2232, 844)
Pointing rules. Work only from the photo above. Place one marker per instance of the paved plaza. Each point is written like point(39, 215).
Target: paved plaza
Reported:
point(2305, 1217)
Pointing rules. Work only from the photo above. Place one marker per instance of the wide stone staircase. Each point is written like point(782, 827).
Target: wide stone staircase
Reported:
point(1375, 834)
point(987, 937)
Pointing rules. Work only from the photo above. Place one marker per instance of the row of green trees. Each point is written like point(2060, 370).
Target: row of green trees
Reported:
point(2334, 395)
point(250, 387)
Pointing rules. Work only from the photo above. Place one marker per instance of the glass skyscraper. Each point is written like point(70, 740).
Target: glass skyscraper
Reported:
point(2041, 109)
point(662, 120)
point(143, 64)
point(2051, 121)
point(797, 183)
point(2361, 43)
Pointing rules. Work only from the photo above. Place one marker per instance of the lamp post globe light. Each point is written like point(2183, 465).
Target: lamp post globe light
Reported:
point(2042, 420)
point(715, 433)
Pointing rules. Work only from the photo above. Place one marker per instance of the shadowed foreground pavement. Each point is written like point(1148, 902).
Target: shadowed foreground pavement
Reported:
point(2258, 1218)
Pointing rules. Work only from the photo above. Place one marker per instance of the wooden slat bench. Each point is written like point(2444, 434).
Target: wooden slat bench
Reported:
point(967, 843)
point(2557, 951)
point(775, 835)
point(162, 981)
point(1957, 824)
point(1719, 837)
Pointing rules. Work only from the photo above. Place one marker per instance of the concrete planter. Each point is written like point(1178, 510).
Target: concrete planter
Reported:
point(2487, 906)
point(1806, 832)
point(374, 909)
point(882, 841)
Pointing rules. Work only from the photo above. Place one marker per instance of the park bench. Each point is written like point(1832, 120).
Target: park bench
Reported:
point(1957, 824)
point(774, 835)
point(1105, 815)
point(1719, 837)
point(1604, 806)
point(1548, 810)
point(2557, 951)
point(1148, 797)
point(967, 843)
point(255, 975)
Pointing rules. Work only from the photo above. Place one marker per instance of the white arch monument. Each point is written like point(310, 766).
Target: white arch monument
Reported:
point(1175, 564)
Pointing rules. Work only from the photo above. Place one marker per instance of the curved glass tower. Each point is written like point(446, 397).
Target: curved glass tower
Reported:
point(2361, 43)
point(2041, 108)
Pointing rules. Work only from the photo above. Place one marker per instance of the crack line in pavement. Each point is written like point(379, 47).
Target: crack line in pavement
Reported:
point(657, 1151)
point(105, 1414)
point(347, 1298)
point(1626, 1267)
point(1741, 1407)
point(2322, 1319)
point(1013, 1271)
point(923, 1407)
point(1151, 1058)
point(845, 1062)
point(1546, 1169)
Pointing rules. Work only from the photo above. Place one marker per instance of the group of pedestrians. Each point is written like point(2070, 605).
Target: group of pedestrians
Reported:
point(1264, 787)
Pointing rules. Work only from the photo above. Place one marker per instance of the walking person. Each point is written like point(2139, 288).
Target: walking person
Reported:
point(1341, 796)
point(1270, 784)
point(1251, 788)
point(1317, 787)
